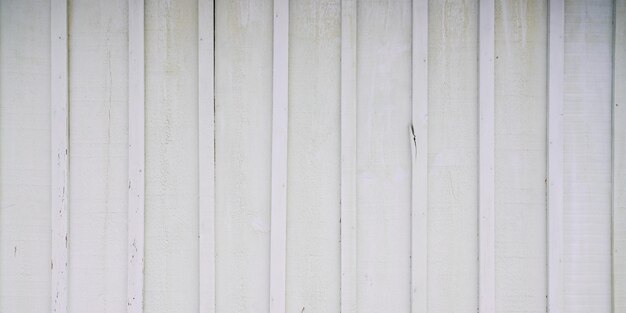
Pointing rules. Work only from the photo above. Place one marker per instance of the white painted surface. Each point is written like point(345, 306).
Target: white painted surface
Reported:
point(313, 191)
point(98, 192)
point(59, 156)
point(280, 131)
point(25, 166)
point(486, 159)
point(619, 159)
point(351, 238)
point(171, 247)
point(453, 156)
point(243, 129)
point(418, 139)
point(383, 156)
point(587, 157)
point(556, 40)
point(520, 155)
point(136, 157)
point(206, 156)
point(348, 186)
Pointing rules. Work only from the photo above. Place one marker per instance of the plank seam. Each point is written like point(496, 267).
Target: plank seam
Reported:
point(348, 220)
point(486, 157)
point(419, 158)
point(59, 102)
point(136, 152)
point(555, 153)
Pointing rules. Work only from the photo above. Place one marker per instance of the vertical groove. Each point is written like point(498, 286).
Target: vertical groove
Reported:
point(348, 156)
point(278, 233)
point(419, 145)
point(206, 157)
point(486, 158)
point(619, 158)
point(59, 139)
point(555, 154)
point(136, 160)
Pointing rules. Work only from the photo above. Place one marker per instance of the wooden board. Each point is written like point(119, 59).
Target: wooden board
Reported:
point(587, 157)
point(59, 157)
point(98, 214)
point(383, 118)
point(313, 191)
point(171, 250)
point(25, 167)
point(243, 129)
point(453, 156)
point(520, 155)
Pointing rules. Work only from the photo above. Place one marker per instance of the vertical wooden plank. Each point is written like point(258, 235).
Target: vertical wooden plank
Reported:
point(98, 193)
point(619, 157)
point(243, 134)
point(136, 160)
point(280, 105)
point(453, 156)
point(384, 156)
point(587, 95)
point(171, 281)
point(486, 140)
point(59, 157)
point(556, 15)
point(348, 156)
point(25, 157)
point(520, 149)
point(313, 194)
point(419, 165)
point(206, 157)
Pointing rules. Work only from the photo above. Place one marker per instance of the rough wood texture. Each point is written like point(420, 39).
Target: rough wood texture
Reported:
point(619, 159)
point(453, 156)
point(171, 252)
point(520, 149)
point(98, 72)
point(25, 166)
point(313, 255)
point(587, 157)
point(383, 156)
point(243, 117)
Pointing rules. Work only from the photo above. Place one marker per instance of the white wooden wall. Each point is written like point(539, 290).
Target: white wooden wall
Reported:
point(312, 156)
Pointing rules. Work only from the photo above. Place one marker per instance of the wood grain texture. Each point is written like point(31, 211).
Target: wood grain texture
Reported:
point(520, 155)
point(313, 192)
point(171, 251)
point(453, 156)
point(243, 125)
point(25, 164)
point(418, 139)
point(383, 156)
point(206, 156)
point(556, 39)
point(619, 158)
point(98, 193)
point(587, 157)
point(348, 200)
point(136, 158)
point(59, 156)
